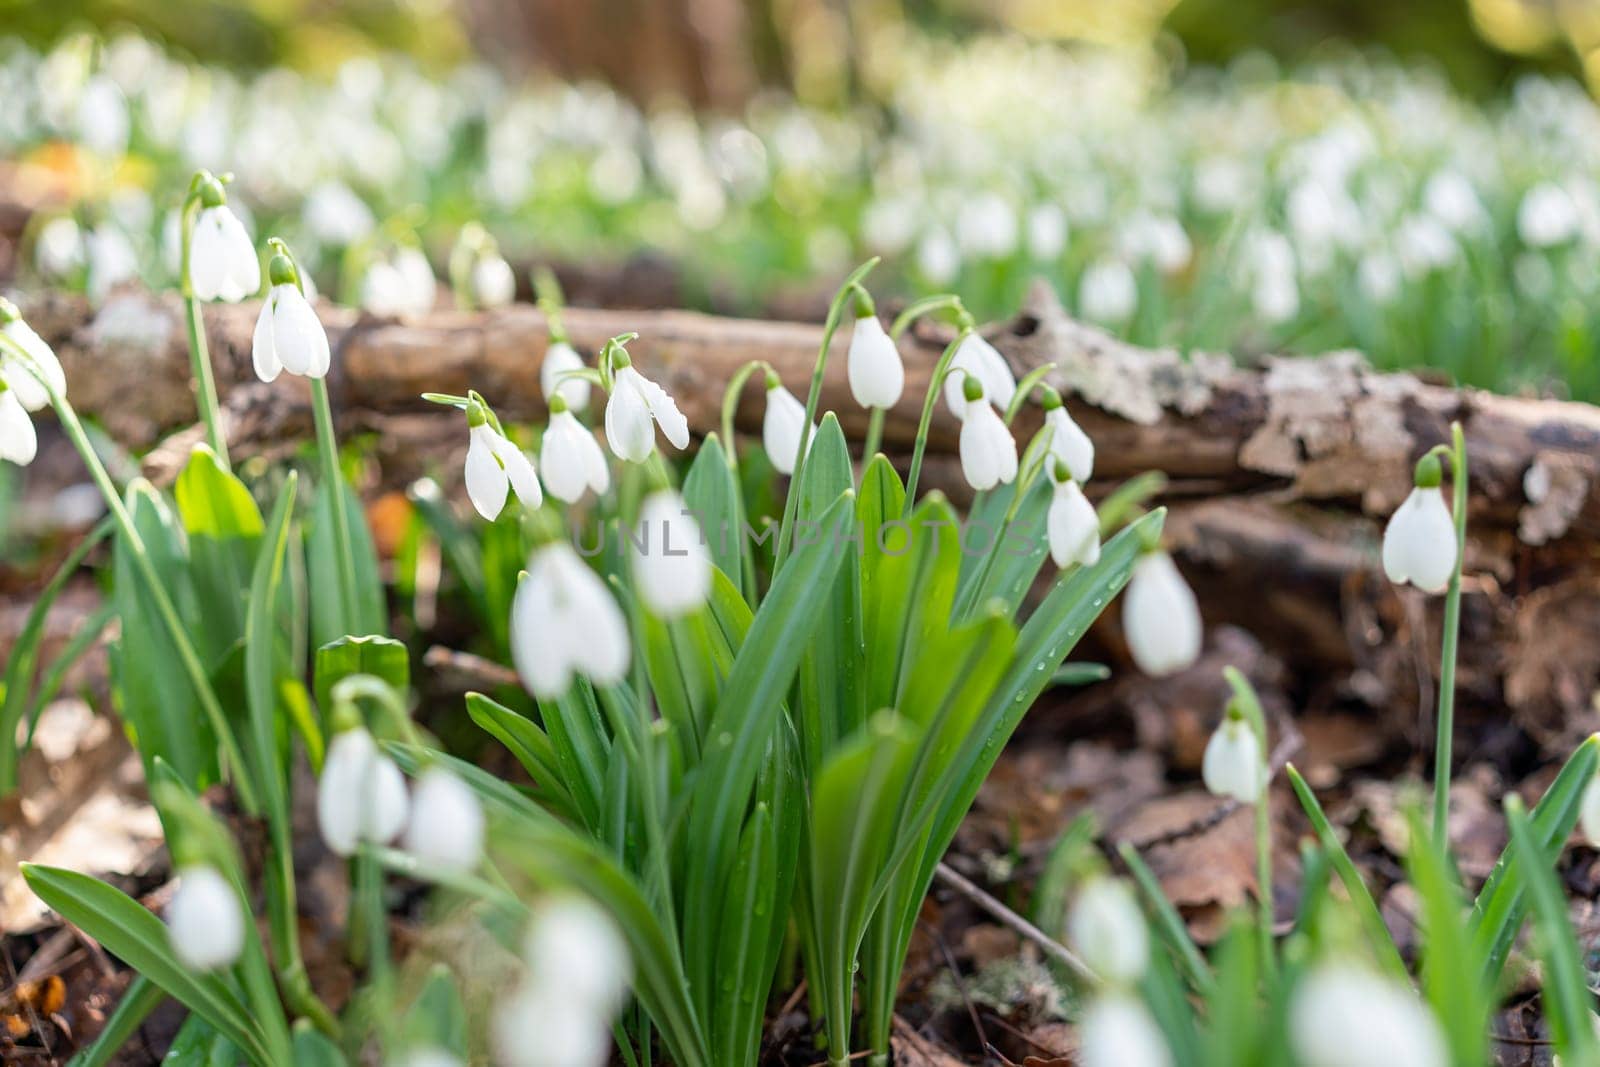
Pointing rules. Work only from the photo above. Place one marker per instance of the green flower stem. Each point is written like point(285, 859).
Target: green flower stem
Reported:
point(328, 451)
point(940, 369)
point(1452, 629)
point(192, 667)
point(926, 306)
point(205, 385)
point(813, 399)
point(874, 435)
point(730, 406)
point(1263, 806)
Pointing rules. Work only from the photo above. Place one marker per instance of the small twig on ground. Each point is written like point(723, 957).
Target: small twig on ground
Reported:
point(473, 669)
point(1052, 948)
point(961, 985)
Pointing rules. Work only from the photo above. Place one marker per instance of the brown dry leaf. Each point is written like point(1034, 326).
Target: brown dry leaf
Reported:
point(1553, 663)
point(1205, 872)
point(1036, 790)
point(1332, 743)
point(1477, 828)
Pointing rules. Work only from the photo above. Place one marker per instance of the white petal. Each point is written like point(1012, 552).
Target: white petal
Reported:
point(1108, 930)
point(1119, 1031)
point(537, 649)
point(421, 288)
point(568, 455)
point(205, 922)
point(1073, 526)
point(1070, 444)
point(573, 944)
point(263, 346)
point(539, 1026)
point(665, 411)
point(339, 790)
point(1589, 812)
point(1232, 766)
point(877, 376)
point(629, 431)
point(18, 441)
point(1343, 1016)
point(983, 361)
point(241, 267)
point(493, 282)
point(300, 342)
point(208, 255)
point(1160, 617)
point(519, 471)
point(596, 631)
point(487, 483)
point(670, 562)
point(781, 427)
point(446, 829)
point(42, 367)
point(1419, 544)
point(559, 360)
point(988, 451)
point(384, 790)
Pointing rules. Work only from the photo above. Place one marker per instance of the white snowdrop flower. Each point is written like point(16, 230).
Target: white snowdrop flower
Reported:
point(565, 622)
point(19, 443)
point(1220, 184)
point(222, 260)
point(938, 258)
point(573, 945)
point(1047, 232)
point(877, 375)
point(1108, 292)
point(495, 465)
point(1547, 216)
point(889, 226)
point(1321, 214)
point(1107, 928)
point(1450, 197)
point(1117, 1030)
point(337, 216)
point(1068, 443)
point(1344, 1016)
point(984, 362)
point(539, 1026)
point(560, 360)
point(421, 286)
point(361, 795)
point(112, 261)
point(102, 117)
point(28, 378)
point(1160, 239)
point(572, 459)
point(782, 425)
point(1233, 766)
point(1419, 544)
point(384, 290)
point(1275, 287)
point(1160, 617)
point(288, 335)
point(988, 451)
point(426, 1056)
point(670, 563)
point(1378, 275)
point(1072, 525)
point(635, 403)
point(59, 248)
point(205, 922)
point(446, 827)
point(494, 284)
point(1589, 812)
point(987, 226)
point(1423, 245)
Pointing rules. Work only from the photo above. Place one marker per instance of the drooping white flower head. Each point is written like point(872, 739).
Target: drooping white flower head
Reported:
point(877, 375)
point(572, 459)
point(29, 374)
point(1451, 198)
point(495, 465)
point(1589, 812)
point(446, 827)
point(288, 336)
point(573, 944)
point(1107, 928)
point(1233, 765)
point(560, 359)
point(494, 284)
point(403, 284)
point(1160, 617)
point(1108, 292)
point(782, 425)
point(205, 921)
point(636, 406)
point(421, 286)
point(565, 622)
point(1342, 1015)
point(1117, 1030)
point(671, 565)
point(1547, 216)
point(1072, 525)
point(1068, 443)
point(223, 264)
point(1419, 544)
point(19, 443)
point(539, 1026)
point(984, 362)
point(988, 451)
point(1275, 285)
point(361, 795)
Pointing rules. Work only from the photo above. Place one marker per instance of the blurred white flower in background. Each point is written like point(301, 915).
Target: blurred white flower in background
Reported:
point(1117, 1030)
point(1107, 292)
point(1342, 1015)
point(1547, 216)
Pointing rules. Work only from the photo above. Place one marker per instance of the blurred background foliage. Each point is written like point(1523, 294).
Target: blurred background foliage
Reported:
point(717, 53)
